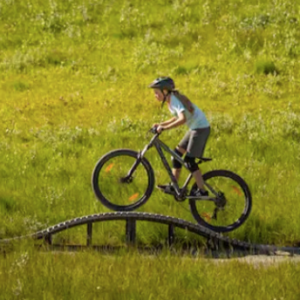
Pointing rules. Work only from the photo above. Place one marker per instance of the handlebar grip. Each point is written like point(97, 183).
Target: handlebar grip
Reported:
point(153, 130)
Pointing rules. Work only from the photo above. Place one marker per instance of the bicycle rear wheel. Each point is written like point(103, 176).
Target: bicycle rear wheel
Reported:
point(112, 186)
point(233, 202)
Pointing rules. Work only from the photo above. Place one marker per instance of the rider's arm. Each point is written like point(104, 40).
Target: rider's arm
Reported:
point(168, 121)
point(177, 121)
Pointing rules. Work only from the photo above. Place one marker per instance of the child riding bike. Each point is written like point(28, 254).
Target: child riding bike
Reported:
point(194, 141)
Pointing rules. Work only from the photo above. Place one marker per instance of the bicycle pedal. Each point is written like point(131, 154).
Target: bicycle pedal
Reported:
point(167, 190)
point(170, 193)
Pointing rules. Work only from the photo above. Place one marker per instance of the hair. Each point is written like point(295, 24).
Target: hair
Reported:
point(184, 100)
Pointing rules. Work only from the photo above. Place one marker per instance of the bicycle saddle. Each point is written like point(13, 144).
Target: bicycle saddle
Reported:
point(203, 159)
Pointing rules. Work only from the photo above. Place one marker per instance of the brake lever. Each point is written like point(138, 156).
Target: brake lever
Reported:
point(153, 130)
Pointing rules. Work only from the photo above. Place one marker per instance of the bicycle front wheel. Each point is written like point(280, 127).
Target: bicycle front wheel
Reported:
point(114, 188)
point(232, 202)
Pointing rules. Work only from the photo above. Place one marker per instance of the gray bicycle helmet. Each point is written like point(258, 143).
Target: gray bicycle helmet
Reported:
point(163, 83)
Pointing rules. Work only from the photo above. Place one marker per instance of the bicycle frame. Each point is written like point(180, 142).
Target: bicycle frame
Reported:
point(159, 145)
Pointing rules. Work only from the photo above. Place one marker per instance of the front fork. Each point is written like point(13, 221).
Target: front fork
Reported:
point(128, 178)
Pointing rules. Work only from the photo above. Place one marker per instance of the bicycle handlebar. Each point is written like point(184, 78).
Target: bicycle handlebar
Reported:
point(154, 130)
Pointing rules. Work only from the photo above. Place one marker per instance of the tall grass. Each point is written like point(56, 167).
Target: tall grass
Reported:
point(129, 275)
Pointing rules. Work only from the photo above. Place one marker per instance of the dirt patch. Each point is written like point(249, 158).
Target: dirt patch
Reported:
point(263, 260)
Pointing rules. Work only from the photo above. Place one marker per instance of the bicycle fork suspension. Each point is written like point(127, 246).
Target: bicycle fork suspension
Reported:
point(128, 178)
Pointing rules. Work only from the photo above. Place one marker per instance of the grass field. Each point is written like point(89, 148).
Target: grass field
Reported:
point(31, 275)
point(73, 85)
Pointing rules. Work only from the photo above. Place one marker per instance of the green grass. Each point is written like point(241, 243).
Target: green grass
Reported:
point(128, 275)
point(73, 84)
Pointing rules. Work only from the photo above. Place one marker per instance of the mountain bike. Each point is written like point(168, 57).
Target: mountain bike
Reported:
point(123, 180)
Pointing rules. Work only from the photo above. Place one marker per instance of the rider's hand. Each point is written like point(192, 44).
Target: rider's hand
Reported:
point(155, 125)
point(160, 128)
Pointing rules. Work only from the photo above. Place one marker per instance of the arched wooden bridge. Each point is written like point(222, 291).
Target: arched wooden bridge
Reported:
point(131, 218)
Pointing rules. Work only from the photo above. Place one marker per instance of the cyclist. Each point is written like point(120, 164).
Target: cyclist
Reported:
point(194, 141)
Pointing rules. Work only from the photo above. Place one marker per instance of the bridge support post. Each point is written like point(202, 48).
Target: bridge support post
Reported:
point(130, 231)
point(48, 239)
point(212, 245)
point(89, 233)
point(171, 235)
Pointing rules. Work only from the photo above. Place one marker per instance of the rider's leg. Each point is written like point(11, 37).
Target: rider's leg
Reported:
point(196, 174)
point(194, 169)
point(168, 188)
point(176, 164)
point(196, 146)
point(181, 150)
point(199, 179)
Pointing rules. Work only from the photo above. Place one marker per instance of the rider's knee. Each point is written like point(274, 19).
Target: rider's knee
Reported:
point(180, 149)
point(175, 162)
point(191, 164)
